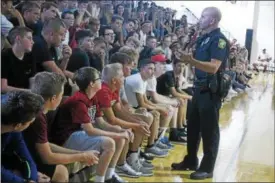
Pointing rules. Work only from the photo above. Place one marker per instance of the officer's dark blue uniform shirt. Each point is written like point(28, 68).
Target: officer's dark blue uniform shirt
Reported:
point(213, 45)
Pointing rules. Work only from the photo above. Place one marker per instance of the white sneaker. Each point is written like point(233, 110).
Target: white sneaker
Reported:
point(231, 91)
point(156, 152)
point(127, 171)
point(133, 161)
point(239, 90)
point(228, 98)
point(146, 164)
point(248, 89)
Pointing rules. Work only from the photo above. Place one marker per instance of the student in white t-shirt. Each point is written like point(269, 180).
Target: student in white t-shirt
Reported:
point(137, 115)
point(135, 88)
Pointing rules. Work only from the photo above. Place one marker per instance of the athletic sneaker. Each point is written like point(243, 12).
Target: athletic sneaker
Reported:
point(166, 141)
point(146, 156)
point(127, 171)
point(146, 164)
point(156, 152)
point(114, 179)
point(118, 178)
point(161, 145)
point(177, 138)
point(182, 132)
point(135, 164)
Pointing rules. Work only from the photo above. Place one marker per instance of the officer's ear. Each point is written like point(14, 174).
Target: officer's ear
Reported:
point(213, 21)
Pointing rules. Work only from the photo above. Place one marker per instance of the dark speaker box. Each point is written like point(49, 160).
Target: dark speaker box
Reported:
point(248, 41)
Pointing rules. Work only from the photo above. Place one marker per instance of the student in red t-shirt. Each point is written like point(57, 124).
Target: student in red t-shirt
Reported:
point(109, 102)
point(50, 157)
point(75, 124)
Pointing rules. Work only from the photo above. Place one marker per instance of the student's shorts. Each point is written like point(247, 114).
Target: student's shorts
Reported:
point(81, 141)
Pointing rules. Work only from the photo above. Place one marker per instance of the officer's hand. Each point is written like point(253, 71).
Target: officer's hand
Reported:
point(184, 56)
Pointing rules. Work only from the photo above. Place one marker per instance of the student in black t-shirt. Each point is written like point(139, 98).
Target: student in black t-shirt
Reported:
point(169, 84)
point(151, 43)
point(17, 69)
point(44, 49)
point(80, 56)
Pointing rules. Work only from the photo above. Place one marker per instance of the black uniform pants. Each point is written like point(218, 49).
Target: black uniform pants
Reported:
point(189, 91)
point(204, 122)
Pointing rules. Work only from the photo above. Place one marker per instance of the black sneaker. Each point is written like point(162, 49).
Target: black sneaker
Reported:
point(183, 130)
point(146, 156)
point(113, 180)
point(178, 137)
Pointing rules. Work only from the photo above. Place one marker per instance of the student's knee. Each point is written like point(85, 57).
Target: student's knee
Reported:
point(155, 114)
point(120, 142)
point(175, 110)
point(148, 118)
point(61, 174)
point(108, 144)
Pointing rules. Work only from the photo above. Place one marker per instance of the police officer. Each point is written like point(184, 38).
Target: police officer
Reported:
point(212, 52)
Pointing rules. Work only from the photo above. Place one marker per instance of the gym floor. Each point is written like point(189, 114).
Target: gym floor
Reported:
point(247, 140)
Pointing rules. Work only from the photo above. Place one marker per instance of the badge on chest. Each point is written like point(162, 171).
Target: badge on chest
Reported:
point(205, 41)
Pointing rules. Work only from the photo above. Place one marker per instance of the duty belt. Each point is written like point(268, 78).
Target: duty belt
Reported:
point(202, 86)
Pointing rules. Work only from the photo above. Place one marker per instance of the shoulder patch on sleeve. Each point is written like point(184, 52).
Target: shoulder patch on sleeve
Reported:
point(222, 43)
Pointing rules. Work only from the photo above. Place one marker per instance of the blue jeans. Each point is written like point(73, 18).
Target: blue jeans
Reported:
point(235, 84)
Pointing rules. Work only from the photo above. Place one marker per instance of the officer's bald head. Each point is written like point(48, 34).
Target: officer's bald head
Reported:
point(214, 12)
point(210, 17)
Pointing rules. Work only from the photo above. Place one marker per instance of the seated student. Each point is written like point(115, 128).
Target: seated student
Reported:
point(116, 24)
point(31, 14)
point(128, 27)
point(44, 48)
point(177, 103)
point(97, 56)
point(6, 25)
point(17, 68)
point(49, 157)
point(93, 26)
point(68, 18)
point(138, 114)
point(108, 96)
point(49, 11)
point(135, 89)
point(131, 42)
point(151, 43)
point(74, 126)
point(165, 46)
point(133, 53)
point(107, 33)
point(79, 57)
point(169, 83)
point(18, 111)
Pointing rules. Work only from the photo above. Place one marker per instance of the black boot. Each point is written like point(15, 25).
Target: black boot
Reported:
point(200, 175)
point(186, 164)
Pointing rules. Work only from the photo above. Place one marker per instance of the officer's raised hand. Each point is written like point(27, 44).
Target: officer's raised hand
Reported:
point(184, 56)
